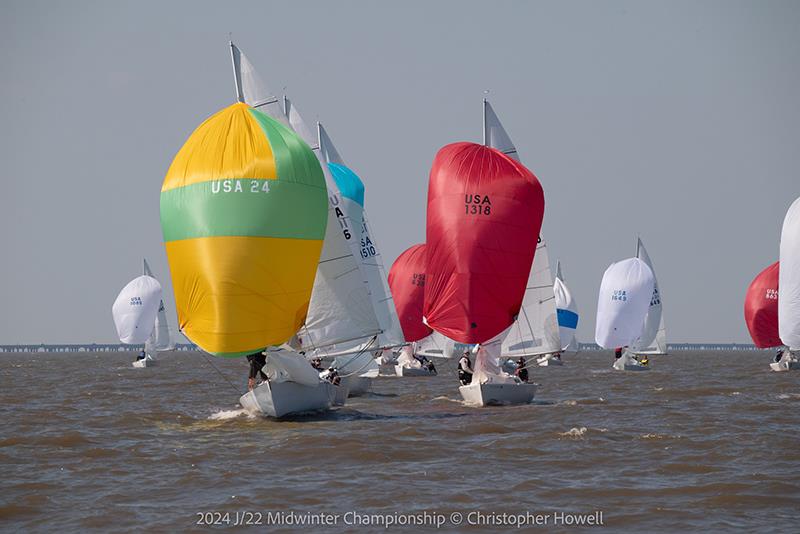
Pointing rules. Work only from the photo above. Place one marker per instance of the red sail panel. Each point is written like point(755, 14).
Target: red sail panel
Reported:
point(761, 308)
point(485, 211)
point(407, 282)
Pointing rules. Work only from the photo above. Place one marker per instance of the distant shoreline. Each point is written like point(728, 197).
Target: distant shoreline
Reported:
point(185, 347)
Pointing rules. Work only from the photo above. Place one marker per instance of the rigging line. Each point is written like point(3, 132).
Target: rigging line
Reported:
point(371, 341)
point(220, 373)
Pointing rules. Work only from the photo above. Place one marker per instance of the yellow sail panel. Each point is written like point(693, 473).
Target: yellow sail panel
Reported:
point(231, 316)
point(229, 144)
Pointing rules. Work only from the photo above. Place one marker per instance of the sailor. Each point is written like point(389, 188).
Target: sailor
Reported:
point(333, 376)
point(644, 360)
point(618, 353)
point(779, 355)
point(257, 361)
point(557, 356)
point(522, 371)
point(465, 369)
point(316, 363)
point(141, 356)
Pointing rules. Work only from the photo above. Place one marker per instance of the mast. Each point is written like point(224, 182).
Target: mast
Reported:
point(237, 71)
point(484, 121)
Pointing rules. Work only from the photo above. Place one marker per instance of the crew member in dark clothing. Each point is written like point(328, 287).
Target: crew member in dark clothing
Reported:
point(465, 369)
point(142, 355)
point(257, 361)
point(522, 372)
point(779, 356)
point(618, 353)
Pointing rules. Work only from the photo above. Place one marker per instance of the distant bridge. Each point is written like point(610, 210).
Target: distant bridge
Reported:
point(674, 347)
point(87, 347)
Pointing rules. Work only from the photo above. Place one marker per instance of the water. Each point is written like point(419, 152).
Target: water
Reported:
point(703, 441)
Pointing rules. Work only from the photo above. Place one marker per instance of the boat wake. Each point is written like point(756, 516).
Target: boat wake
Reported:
point(224, 415)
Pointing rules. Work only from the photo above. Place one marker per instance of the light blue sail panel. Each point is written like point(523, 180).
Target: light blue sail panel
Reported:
point(567, 318)
point(348, 182)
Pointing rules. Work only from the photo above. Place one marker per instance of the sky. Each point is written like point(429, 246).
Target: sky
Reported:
point(678, 121)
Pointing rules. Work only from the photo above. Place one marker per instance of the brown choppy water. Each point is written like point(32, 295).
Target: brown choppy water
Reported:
point(705, 441)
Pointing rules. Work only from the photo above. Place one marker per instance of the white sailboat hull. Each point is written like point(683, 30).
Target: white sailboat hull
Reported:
point(289, 398)
point(789, 365)
point(623, 364)
point(357, 385)
point(497, 394)
point(147, 362)
point(548, 360)
point(401, 370)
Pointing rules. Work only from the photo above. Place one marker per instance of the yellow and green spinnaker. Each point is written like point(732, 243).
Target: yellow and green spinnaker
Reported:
point(243, 211)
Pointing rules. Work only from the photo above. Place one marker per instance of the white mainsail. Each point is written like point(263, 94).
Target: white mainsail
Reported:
point(535, 331)
point(654, 335)
point(135, 309)
point(566, 312)
point(340, 310)
point(434, 345)
point(789, 279)
point(160, 339)
point(369, 253)
point(622, 303)
point(494, 135)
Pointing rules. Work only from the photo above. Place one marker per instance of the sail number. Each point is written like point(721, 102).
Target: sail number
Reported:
point(239, 186)
point(136, 301)
point(772, 294)
point(367, 248)
point(477, 205)
point(620, 294)
point(418, 279)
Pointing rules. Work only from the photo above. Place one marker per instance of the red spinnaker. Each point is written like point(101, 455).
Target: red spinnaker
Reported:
point(485, 211)
point(761, 308)
point(407, 282)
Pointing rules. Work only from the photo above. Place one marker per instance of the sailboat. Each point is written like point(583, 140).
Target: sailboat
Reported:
point(244, 215)
point(654, 336)
point(789, 294)
point(567, 312)
point(535, 331)
point(622, 305)
point(407, 283)
point(485, 212)
point(761, 310)
point(341, 320)
point(135, 312)
point(160, 339)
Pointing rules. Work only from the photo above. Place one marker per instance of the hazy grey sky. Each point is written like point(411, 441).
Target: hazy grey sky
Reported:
point(679, 121)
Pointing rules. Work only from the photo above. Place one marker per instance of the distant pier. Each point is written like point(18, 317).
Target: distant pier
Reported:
point(87, 347)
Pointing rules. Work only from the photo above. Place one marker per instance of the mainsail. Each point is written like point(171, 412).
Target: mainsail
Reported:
point(622, 303)
point(535, 331)
point(160, 339)
point(340, 311)
point(351, 189)
point(789, 279)
point(567, 311)
point(243, 211)
point(135, 308)
point(761, 308)
point(654, 335)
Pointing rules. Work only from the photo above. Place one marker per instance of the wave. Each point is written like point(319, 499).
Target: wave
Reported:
point(224, 415)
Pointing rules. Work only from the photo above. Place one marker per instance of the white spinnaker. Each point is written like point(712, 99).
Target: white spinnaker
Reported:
point(654, 335)
point(535, 331)
point(789, 279)
point(160, 339)
point(566, 313)
point(368, 252)
point(340, 310)
point(622, 303)
point(135, 309)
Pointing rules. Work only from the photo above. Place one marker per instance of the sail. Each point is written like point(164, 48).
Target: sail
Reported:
point(567, 312)
point(622, 304)
point(135, 308)
point(484, 215)
point(407, 283)
point(160, 338)
point(789, 279)
point(535, 330)
point(243, 212)
point(251, 89)
point(435, 345)
point(761, 308)
point(351, 190)
point(494, 135)
point(653, 340)
point(340, 311)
